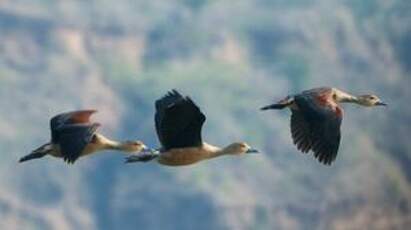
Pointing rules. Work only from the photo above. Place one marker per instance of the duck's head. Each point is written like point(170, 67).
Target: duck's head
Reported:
point(135, 146)
point(240, 148)
point(370, 100)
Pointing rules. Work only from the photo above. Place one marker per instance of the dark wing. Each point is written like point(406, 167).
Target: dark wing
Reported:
point(178, 121)
point(300, 131)
point(69, 118)
point(316, 126)
point(74, 138)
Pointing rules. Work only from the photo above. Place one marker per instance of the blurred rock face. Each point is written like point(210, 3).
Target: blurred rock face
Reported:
point(119, 56)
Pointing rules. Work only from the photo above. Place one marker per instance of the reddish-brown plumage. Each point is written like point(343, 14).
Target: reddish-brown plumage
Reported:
point(325, 99)
point(339, 111)
point(81, 117)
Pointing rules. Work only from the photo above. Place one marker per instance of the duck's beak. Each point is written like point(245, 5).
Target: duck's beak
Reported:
point(145, 149)
point(380, 103)
point(148, 150)
point(154, 151)
point(251, 150)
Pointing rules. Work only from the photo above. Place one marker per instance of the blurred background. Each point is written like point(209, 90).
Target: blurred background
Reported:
point(231, 57)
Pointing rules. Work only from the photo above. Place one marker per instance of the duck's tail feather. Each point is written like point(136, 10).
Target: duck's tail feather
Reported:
point(37, 153)
point(279, 105)
point(274, 106)
point(140, 158)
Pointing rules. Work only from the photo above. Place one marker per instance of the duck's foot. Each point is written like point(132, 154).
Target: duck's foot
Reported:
point(141, 157)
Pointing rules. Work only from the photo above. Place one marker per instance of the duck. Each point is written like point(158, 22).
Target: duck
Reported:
point(74, 136)
point(316, 117)
point(178, 123)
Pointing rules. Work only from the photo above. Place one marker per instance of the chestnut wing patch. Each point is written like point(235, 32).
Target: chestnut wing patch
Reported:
point(69, 118)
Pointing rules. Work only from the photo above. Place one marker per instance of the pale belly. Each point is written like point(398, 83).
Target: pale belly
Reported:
point(180, 157)
point(90, 149)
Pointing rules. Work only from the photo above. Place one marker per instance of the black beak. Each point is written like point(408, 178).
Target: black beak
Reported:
point(252, 151)
point(380, 103)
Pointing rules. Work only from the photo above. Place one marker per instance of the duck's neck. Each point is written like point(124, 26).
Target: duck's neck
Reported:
point(344, 97)
point(214, 151)
point(351, 99)
point(109, 144)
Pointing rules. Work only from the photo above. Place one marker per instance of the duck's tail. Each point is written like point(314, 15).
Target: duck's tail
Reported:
point(37, 153)
point(274, 106)
point(142, 157)
point(280, 105)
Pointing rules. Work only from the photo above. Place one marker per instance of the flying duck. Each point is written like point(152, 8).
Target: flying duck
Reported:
point(316, 119)
point(178, 122)
point(74, 136)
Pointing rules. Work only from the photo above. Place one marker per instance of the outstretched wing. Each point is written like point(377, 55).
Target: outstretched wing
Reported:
point(178, 121)
point(74, 138)
point(300, 131)
point(69, 118)
point(316, 125)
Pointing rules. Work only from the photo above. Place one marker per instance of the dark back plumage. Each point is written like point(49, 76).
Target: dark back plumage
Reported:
point(178, 121)
point(72, 131)
point(69, 118)
point(316, 125)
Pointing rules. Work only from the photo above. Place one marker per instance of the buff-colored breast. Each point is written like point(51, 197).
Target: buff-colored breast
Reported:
point(183, 156)
point(90, 149)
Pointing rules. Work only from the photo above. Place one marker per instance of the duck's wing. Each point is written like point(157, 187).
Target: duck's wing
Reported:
point(74, 138)
point(178, 121)
point(300, 131)
point(69, 118)
point(316, 125)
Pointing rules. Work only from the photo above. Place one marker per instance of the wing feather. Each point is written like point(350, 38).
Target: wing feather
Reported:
point(178, 121)
point(316, 126)
point(74, 138)
point(69, 118)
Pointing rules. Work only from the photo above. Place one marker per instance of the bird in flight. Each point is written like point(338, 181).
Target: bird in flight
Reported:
point(316, 118)
point(178, 122)
point(74, 136)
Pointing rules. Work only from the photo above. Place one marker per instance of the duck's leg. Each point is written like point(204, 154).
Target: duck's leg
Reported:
point(143, 157)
